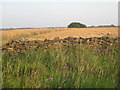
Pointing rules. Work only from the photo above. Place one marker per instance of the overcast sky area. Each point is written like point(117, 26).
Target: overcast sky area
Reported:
point(58, 13)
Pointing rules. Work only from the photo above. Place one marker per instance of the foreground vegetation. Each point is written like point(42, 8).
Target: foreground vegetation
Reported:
point(62, 66)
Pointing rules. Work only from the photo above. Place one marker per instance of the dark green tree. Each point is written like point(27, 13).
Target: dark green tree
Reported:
point(76, 25)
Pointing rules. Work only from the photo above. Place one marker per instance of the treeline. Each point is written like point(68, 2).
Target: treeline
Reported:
point(104, 26)
point(71, 25)
point(4, 29)
point(80, 25)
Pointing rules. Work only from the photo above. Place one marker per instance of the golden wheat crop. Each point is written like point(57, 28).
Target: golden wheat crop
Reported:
point(51, 33)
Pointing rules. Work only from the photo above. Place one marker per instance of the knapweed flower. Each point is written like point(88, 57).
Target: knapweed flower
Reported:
point(51, 79)
point(49, 86)
point(68, 57)
point(65, 68)
point(38, 70)
point(106, 49)
point(71, 69)
point(93, 70)
point(65, 64)
point(108, 53)
point(33, 72)
point(63, 72)
point(77, 59)
point(45, 69)
point(98, 50)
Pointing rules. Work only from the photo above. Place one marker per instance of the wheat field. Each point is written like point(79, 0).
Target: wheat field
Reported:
point(42, 34)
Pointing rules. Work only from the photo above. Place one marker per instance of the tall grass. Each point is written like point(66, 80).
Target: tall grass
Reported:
point(59, 66)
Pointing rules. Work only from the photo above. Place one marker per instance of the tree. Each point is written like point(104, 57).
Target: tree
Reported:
point(112, 25)
point(76, 25)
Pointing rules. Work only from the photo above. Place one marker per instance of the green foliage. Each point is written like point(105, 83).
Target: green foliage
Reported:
point(76, 25)
point(73, 67)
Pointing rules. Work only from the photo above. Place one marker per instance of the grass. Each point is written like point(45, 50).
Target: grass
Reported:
point(70, 66)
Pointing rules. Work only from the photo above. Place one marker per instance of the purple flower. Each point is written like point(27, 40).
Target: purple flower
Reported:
point(108, 53)
point(77, 59)
point(38, 70)
point(106, 49)
point(65, 64)
point(98, 50)
point(65, 67)
point(45, 69)
point(49, 86)
point(51, 79)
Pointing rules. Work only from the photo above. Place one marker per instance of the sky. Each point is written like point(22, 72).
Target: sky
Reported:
point(57, 13)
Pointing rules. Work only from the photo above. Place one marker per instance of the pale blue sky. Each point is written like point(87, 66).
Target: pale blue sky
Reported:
point(59, 13)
